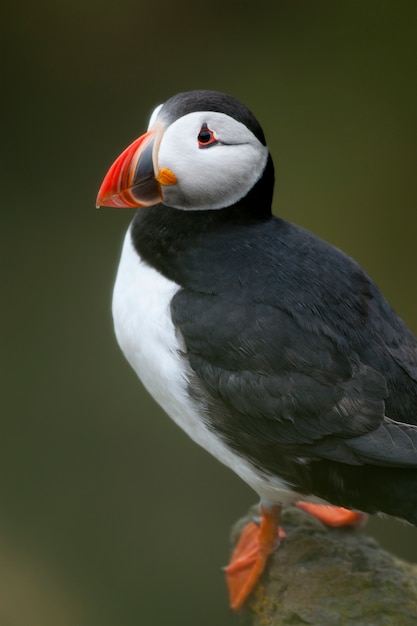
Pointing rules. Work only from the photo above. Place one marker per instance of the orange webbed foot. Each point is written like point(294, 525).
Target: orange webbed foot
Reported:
point(256, 542)
point(334, 516)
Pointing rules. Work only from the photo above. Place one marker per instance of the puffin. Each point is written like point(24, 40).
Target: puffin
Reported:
point(269, 347)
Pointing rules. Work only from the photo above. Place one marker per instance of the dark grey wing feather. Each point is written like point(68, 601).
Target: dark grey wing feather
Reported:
point(399, 340)
point(289, 385)
point(393, 443)
point(282, 385)
point(294, 348)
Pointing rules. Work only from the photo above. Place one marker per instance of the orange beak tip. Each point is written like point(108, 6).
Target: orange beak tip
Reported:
point(130, 181)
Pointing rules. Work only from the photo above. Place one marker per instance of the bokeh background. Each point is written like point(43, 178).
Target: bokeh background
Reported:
point(108, 515)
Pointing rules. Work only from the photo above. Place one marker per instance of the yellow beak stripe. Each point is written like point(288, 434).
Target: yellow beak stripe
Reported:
point(166, 177)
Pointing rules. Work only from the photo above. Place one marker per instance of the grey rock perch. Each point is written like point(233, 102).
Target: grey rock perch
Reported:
point(330, 577)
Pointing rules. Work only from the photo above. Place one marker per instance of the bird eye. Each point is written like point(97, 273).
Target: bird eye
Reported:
point(206, 137)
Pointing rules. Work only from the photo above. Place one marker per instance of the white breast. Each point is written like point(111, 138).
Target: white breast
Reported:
point(147, 337)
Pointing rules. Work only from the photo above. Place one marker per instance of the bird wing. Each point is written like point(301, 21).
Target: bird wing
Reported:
point(274, 380)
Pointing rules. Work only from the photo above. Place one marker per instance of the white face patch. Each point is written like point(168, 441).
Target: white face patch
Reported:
point(215, 176)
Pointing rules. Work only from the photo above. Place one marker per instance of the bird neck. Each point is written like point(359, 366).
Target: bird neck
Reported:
point(161, 234)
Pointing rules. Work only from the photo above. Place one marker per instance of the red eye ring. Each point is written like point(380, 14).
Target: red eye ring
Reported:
point(206, 137)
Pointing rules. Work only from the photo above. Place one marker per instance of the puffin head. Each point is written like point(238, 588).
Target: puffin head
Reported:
point(203, 150)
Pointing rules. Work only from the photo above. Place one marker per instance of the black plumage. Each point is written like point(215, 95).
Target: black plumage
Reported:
point(302, 365)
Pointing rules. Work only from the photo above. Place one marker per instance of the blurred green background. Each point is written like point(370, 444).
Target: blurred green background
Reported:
point(108, 514)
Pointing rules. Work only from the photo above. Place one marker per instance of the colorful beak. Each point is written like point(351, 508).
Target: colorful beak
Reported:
point(131, 181)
